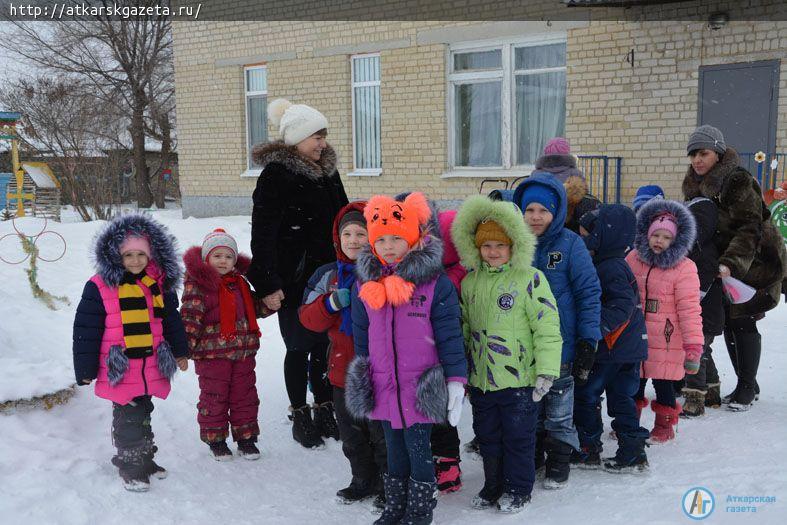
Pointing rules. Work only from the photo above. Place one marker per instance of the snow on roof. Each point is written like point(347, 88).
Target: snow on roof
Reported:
point(39, 174)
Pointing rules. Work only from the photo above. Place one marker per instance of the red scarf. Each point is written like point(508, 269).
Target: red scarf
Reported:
point(227, 305)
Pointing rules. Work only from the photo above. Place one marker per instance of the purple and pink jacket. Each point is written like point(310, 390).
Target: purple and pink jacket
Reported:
point(98, 325)
point(406, 354)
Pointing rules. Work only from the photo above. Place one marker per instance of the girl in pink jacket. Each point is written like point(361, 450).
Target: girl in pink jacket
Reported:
point(669, 290)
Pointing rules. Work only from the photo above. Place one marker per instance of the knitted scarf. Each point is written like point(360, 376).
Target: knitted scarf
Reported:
point(227, 308)
point(345, 278)
point(135, 315)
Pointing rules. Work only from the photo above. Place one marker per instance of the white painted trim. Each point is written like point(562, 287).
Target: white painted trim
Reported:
point(504, 31)
point(488, 173)
point(251, 173)
point(366, 173)
point(246, 96)
point(371, 83)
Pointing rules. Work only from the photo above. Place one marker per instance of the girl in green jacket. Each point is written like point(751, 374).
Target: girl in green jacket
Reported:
point(512, 336)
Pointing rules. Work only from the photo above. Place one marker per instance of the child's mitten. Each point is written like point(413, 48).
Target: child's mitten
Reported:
point(693, 355)
point(543, 384)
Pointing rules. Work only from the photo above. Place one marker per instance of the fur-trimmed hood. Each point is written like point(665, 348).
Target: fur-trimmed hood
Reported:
point(561, 166)
point(711, 184)
point(288, 156)
point(206, 277)
point(423, 263)
point(163, 245)
point(479, 208)
point(684, 239)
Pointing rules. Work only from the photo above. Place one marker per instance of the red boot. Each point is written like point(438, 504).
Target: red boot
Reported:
point(666, 419)
point(448, 474)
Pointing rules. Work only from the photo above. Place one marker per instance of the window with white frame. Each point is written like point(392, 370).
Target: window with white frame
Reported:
point(366, 114)
point(256, 90)
point(505, 102)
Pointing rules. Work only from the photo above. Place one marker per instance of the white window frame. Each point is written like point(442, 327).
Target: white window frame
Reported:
point(507, 76)
point(251, 171)
point(364, 172)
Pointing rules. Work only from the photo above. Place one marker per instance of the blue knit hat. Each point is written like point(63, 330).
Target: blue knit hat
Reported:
point(645, 193)
point(542, 194)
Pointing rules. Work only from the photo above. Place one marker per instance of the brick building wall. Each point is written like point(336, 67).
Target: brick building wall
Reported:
point(643, 114)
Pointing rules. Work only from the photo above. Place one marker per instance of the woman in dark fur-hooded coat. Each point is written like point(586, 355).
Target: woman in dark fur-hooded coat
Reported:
point(749, 244)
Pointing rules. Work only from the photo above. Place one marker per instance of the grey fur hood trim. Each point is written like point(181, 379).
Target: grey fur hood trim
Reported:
point(556, 161)
point(423, 263)
point(288, 156)
point(684, 239)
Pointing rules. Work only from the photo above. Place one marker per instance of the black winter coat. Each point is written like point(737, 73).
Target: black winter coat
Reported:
point(749, 243)
point(705, 255)
point(294, 205)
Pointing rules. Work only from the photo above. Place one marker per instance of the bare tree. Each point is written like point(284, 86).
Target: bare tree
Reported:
point(61, 121)
point(127, 62)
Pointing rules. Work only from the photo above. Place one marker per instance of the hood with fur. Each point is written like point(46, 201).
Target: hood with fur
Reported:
point(684, 239)
point(206, 277)
point(710, 185)
point(561, 166)
point(106, 249)
point(288, 156)
point(479, 208)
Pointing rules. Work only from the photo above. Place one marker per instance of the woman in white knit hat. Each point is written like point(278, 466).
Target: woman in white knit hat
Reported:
point(297, 196)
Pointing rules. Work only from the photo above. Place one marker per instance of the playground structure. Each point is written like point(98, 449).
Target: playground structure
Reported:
point(32, 185)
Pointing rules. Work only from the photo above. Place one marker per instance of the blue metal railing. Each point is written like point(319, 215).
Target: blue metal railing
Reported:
point(602, 173)
point(768, 179)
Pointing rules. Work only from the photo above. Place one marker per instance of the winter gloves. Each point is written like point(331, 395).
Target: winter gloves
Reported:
point(456, 394)
point(584, 357)
point(338, 300)
point(693, 355)
point(543, 384)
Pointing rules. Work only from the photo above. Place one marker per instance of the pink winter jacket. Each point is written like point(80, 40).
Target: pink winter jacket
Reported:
point(672, 314)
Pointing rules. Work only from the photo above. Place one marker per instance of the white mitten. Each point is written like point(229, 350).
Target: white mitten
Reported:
point(456, 394)
point(543, 384)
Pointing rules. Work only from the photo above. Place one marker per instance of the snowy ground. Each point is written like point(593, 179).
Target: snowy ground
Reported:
point(54, 466)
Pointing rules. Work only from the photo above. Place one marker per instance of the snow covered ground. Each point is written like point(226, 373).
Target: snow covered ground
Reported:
point(54, 465)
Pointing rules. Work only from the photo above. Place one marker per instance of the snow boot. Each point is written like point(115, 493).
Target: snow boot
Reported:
point(395, 500)
point(421, 501)
point(510, 503)
point(493, 484)
point(630, 457)
point(729, 397)
point(448, 474)
point(220, 450)
point(303, 428)
point(357, 490)
point(151, 467)
point(558, 463)
point(325, 421)
point(743, 399)
point(713, 396)
point(666, 419)
point(132, 469)
point(641, 403)
point(248, 450)
point(588, 458)
point(694, 404)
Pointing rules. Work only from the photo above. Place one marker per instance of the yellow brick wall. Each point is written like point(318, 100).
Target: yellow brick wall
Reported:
point(643, 113)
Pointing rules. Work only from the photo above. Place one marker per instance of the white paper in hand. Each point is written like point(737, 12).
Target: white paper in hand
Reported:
point(737, 291)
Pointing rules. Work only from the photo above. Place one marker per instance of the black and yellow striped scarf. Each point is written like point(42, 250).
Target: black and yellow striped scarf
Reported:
point(134, 314)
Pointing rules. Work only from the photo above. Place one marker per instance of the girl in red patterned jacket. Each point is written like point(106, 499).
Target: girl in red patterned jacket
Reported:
point(219, 313)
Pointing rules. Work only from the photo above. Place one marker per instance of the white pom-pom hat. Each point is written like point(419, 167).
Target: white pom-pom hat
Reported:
point(296, 122)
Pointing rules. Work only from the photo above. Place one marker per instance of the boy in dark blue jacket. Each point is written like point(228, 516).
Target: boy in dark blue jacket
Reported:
point(608, 233)
point(563, 258)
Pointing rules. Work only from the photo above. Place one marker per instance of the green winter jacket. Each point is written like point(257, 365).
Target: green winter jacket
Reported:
point(509, 318)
